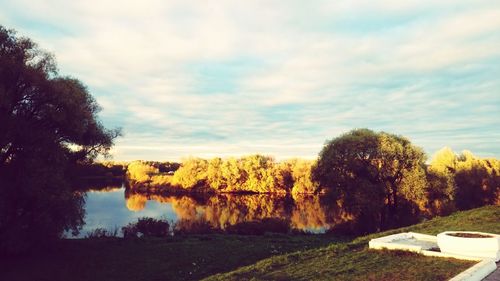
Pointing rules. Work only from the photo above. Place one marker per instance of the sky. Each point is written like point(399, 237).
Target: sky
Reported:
point(229, 78)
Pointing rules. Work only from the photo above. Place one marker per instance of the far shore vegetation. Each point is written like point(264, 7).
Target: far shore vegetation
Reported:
point(449, 182)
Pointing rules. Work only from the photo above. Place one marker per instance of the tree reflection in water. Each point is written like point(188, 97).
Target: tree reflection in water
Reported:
point(205, 213)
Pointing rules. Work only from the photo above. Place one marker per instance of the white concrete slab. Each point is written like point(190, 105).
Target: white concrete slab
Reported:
point(408, 241)
point(428, 245)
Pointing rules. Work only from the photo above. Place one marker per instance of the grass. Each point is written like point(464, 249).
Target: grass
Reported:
point(174, 258)
point(354, 261)
point(267, 257)
point(345, 262)
point(484, 219)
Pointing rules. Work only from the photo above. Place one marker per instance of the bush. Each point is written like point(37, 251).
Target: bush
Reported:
point(186, 227)
point(260, 227)
point(102, 233)
point(146, 227)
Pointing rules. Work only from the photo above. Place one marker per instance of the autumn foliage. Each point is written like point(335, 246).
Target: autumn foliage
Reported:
point(378, 180)
point(253, 173)
point(461, 181)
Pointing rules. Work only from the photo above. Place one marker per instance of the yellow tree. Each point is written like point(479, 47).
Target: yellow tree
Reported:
point(191, 174)
point(215, 177)
point(477, 181)
point(283, 174)
point(258, 173)
point(140, 171)
point(302, 177)
point(440, 191)
point(232, 174)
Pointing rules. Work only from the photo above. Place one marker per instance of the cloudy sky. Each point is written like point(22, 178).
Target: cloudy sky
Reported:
point(209, 78)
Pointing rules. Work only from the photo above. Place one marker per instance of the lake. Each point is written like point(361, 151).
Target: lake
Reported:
point(114, 207)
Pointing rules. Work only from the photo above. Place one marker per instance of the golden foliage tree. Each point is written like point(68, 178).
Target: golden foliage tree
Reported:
point(302, 177)
point(140, 171)
point(477, 181)
point(258, 174)
point(464, 181)
point(191, 174)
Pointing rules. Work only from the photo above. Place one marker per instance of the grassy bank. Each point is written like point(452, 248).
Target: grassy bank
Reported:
point(268, 257)
point(354, 261)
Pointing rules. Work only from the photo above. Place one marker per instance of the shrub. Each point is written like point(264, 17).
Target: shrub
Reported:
point(102, 233)
point(260, 227)
point(146, 227)
point(185, 227)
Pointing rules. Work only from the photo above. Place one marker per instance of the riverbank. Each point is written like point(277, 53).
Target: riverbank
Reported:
point(269, 257)
point(354, 261)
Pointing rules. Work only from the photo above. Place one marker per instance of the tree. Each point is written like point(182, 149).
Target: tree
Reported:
point(191, 174)
point(47, 124)
point(444, 161)
point(301, 173)
point(214, 174)
point(477, 181)
point(365, 171)
point(140, 171)
point(441, 188)
point(258, 173)
point(463, 181)
point(284, 174)
point(232, 174)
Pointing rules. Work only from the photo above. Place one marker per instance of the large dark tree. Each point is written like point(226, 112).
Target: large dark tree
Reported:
point(47, 124)
point(366, 170)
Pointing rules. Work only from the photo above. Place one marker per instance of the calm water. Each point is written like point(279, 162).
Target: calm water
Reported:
point(114, 207)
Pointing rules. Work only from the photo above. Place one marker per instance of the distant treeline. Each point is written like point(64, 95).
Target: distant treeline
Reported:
point(97, 175)
point(254, 173)
point(379, 180)
point(99, 170)
point(451, 180)
point(112, 169)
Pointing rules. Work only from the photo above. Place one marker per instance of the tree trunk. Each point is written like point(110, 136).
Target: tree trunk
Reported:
point(393, 204)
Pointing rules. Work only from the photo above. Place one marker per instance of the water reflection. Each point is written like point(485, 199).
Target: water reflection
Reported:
point(106, 209)
point(307, 213)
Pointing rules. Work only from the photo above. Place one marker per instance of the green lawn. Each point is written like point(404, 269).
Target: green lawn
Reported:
point(268, 257)
point(349, 263)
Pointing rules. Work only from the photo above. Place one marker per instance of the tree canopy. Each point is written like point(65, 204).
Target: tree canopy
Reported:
point(47, 123)
point(251, 173)
point(365, 170)
point(466, 180)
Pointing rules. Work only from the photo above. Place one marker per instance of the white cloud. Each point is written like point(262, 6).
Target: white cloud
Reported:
point(414, 67)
